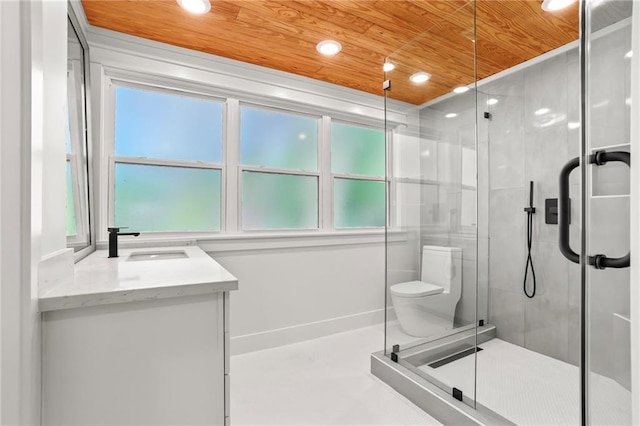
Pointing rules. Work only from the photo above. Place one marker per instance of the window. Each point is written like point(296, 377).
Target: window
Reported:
point(358, 170)
point(77, 229)
point(72, 226)
point(188, 162)
point(167, 169)
point(279, 169)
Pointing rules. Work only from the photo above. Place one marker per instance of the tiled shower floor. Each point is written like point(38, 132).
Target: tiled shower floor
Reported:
point(533, 389)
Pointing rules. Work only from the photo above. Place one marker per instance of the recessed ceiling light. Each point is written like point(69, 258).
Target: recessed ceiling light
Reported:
point(542, 111)
point(328, 47)
point(195, 6)
point(629, 54)
point(451, 115)
point(492, 101)
point(388, 66)
point(461, 89)
point(420, 77)
point(553, 5)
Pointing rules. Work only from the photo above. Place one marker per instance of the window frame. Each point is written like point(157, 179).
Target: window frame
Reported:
point(385, 178)
point(230, 167)
point(110, 117)
point(75, 158)
point(279, 171)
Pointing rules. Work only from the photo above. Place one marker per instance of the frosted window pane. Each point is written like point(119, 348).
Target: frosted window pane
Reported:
point(358, 203)
point(277, 201)
point(68, 136)
point(160, 198)
point(167, 126)
point(71, 208)
point(278, 140)
point(357, 150)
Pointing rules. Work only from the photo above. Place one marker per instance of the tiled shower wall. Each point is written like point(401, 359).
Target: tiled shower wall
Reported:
point(530, 139)
point(533, 131)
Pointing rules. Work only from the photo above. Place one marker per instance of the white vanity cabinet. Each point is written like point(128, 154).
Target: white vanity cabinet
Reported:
point(138, 354)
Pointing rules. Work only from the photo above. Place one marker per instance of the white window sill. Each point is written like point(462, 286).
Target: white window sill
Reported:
point(262, 241)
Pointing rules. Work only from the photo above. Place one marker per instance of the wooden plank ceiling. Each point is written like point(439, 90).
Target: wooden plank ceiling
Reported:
point(435, 36)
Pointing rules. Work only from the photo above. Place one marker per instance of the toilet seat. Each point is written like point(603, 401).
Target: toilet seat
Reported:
point(415, 289)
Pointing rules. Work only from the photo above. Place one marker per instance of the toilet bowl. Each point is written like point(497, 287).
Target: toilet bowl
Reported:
point(428, 306)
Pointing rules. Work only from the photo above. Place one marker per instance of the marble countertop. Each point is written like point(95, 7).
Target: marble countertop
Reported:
point(99, 280)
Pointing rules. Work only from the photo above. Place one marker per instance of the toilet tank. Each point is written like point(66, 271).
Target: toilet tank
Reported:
point(442, 266)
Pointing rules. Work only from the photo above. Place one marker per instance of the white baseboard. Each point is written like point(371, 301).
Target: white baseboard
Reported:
point(298, 333)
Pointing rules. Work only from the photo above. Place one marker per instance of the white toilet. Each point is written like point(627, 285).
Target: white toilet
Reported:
point(427, 307)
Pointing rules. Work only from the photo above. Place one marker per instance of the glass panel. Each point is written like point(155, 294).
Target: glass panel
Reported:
point(528, 126)
point(468, 208)
point(433, 201)
point(71, 205)
point(159, 198)
point(608, 214)
point(532, 291)
point(67, 133)
point(76, 162)
point(279, 140)
point(358, 203)
point(278, 201)
point(357, 150)
point(167, 126)
point(613, 179)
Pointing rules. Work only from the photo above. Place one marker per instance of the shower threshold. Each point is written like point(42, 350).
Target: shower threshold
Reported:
point(430, 395)
point(524, 386)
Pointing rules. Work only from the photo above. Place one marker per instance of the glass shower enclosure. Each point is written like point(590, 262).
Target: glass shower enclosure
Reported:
point(507, 286)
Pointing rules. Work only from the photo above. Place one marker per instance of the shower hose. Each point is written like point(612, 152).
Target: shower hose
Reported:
point(530, 212)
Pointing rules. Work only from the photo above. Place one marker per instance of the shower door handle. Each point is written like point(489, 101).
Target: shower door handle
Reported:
point(564, 211)
point(599, 261)
point(600, 158)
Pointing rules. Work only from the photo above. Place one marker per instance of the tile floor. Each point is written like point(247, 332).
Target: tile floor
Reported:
point(323, 381)
point(529, 388)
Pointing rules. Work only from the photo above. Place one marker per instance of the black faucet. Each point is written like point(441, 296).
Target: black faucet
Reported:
point(113, 239)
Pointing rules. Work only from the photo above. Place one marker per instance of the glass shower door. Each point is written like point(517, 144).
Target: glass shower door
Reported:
point(606, 184)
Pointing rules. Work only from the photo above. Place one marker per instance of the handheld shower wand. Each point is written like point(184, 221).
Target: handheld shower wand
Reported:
point(530, 212)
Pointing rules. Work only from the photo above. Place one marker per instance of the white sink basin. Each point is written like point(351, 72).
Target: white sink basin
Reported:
point(156, 255)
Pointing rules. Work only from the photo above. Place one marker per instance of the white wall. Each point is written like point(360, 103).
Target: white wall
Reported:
point(291, 288)
point(1, 223)
point(54, 59)
point(294, 294)
point(32, 74)
point(10, 210)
